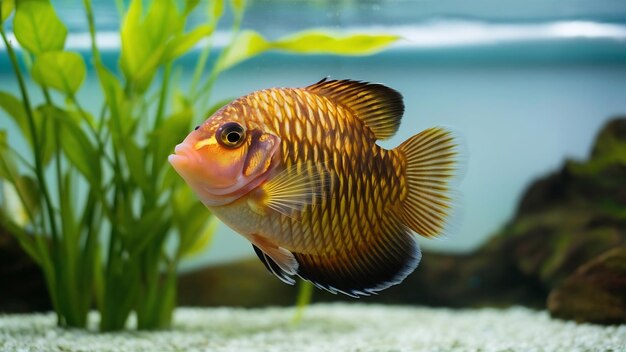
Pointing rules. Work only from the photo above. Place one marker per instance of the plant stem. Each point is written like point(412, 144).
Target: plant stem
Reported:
point(92, 31)
point(52, 280)
point(197, 72)
point(205, 91)
point(163, 97)
point(96, 135)
point(305, 293)
point(33, 130)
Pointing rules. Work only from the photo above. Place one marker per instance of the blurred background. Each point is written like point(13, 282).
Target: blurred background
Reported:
point(528, 84)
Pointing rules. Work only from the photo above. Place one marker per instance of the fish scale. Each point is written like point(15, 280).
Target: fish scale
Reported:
point(321, 243)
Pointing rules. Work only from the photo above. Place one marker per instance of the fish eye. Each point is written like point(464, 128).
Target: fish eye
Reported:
point(196, 128)
point(230, 135)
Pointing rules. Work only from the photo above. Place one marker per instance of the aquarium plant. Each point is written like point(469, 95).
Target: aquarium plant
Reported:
point(104, 215)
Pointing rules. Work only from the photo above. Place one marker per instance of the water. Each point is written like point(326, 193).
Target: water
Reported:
point(527, 85)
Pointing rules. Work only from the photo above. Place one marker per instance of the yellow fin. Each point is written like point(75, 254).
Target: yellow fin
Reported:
point(296, 187)
point(432, 162)
point(378, 106)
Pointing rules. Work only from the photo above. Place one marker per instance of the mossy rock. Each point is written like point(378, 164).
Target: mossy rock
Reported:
point(594, 293)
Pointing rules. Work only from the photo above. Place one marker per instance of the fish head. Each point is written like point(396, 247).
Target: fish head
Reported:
point(225, 158)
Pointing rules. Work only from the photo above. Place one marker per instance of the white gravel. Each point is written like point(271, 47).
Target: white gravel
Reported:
point(325, 327)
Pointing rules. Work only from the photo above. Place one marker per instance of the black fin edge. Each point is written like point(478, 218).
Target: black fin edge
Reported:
point(272, 267)
point(412, 260)
point(411, 263)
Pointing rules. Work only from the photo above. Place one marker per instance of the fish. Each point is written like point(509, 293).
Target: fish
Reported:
point(298, 172)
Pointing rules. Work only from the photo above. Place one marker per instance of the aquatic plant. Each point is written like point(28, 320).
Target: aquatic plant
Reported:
point(105, 216)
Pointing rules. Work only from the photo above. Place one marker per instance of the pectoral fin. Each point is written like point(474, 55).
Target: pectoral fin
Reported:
point(296, 187)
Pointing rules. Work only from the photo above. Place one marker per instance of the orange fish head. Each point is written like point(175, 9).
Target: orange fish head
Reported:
point(224, 158)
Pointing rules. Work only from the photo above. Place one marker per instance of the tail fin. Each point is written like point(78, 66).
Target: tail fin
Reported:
point(432, 163)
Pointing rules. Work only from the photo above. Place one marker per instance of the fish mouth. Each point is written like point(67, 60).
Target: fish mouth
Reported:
point(181, 156)
point(186, 160)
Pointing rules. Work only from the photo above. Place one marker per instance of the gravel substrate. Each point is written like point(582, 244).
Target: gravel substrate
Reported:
point(326, 327)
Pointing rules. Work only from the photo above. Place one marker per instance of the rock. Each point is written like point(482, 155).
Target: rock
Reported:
point(595, 292)
point(598, 180)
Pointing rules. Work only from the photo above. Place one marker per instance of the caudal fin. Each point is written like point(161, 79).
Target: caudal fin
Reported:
point(432, 163)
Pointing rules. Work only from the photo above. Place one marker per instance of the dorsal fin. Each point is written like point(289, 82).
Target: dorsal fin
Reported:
point(380, 107)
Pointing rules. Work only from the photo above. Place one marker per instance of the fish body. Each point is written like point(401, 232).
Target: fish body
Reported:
point(297, 171)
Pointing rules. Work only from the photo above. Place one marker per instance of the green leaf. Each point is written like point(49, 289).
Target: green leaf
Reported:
point(27, 187)
point(185, 42)
point(149, 230)
point(23, 186)
point(319, 42)
point(81, 153)
point(61, 70)
point(202, 239)
point(190, 5)
point(70, 226)
point(136, 162)
point(6, 7)
point(144, 40)
point(247, 44)
point(191, 220)
point(113, 92)
point(216, 10)
point(121, 122)
point(15, 109)
point(76, 146)
point(8, 167)
point(37, 27)
point(78, 116)
point(44, 125)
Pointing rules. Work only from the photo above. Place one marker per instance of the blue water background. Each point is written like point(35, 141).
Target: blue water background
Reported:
point(524, 98)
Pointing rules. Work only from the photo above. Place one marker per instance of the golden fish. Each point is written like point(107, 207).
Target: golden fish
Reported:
point(297, 171)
